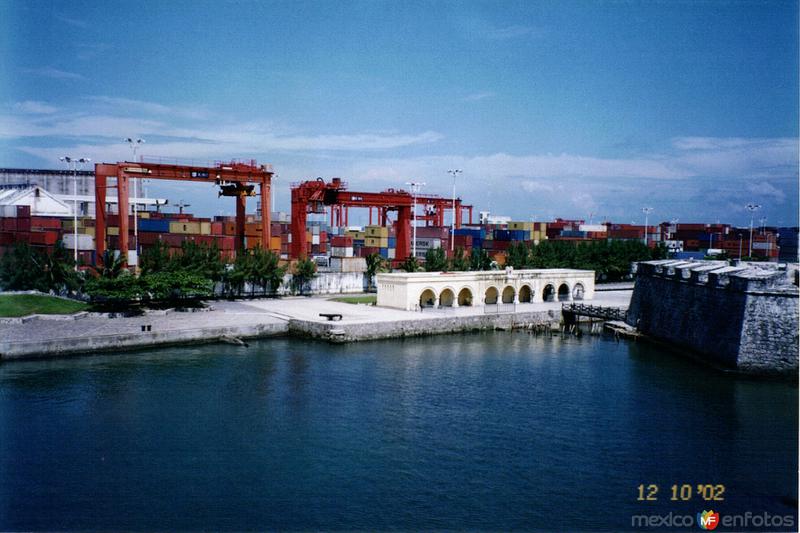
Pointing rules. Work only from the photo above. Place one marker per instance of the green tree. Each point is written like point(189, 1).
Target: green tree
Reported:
point(435, 260)
point(58, 270)
point(118, 292)
point(112, 265)
point(460, 261)
point(518, 255)
point(175, 286)
point(23, 268)
point(410, 264)
point(266, 271)
point(304, 271)
point(155, 258)
point(375, 264)
point(238, 274)
point(479, 260)
point(201, 259)
point(20, 269)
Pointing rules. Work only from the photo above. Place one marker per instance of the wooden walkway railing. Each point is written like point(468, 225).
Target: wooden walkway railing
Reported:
point(595, 311)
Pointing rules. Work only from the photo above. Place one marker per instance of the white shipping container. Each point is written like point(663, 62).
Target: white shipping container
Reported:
point(315, 238)
point(592, 227)
point(341, 251)
point(392, 253)
point(8, 211)
point(348, 264)
point(762, 246)
point(85, 242)
point(428, 243)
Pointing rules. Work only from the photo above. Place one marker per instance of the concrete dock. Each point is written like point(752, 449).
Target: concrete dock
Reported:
point(85, 333)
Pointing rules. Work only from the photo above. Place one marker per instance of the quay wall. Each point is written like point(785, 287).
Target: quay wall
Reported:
point(741, 318)
point(349, 332)
point(336, 332)
point(135, 341)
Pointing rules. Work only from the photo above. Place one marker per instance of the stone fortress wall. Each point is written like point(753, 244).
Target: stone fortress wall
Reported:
point(741, 317)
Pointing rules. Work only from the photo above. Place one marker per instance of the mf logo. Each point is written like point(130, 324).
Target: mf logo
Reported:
point(708, 520)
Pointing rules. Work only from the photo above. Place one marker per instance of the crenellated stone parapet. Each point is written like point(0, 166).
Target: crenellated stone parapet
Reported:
point(743, 316)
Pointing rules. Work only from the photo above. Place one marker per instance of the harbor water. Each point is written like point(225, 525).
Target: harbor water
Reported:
point(484, 431)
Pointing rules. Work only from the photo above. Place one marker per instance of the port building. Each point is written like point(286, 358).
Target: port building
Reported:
point(421, 290)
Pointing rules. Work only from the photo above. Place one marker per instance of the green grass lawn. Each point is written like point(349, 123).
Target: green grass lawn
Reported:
point(28, 304)
point(366, 299)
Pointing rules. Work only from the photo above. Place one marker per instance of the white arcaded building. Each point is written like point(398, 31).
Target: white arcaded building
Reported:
point(412, 291)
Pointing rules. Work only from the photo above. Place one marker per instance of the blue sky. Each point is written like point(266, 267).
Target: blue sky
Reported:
point(550, 108)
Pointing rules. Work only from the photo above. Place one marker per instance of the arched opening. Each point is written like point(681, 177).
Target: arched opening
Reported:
point(525, 296)
point(508, 295)
point(563, 292)
point(446, 298)
point(465, 297)
point(577, 292)
point(491, 296)
point(427, 298)
point(548, 294)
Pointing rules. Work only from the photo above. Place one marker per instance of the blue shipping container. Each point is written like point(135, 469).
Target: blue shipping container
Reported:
point(392, 242)
point(384, 252)
point(154, 225)
point(478, 233)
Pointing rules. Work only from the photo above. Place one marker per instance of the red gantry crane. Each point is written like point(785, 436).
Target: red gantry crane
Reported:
point(237, 179)
point(315, 195)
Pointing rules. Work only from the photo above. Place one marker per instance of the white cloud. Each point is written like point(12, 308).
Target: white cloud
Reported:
point(767, 190)
point(127, 106)
point(54, 73)
point(477, 96)
point(34, 107)
point(508, 32)
point(536, 186)
point(78, 23)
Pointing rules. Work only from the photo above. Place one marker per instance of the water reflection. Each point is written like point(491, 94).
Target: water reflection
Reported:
point(484, 431)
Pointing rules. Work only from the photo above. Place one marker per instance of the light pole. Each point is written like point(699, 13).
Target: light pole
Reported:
point(646, 211)
point(740, 246)
point(73, 163)
point(134, 144)
point(752, 208)
point(415, 188)
point(454, 172)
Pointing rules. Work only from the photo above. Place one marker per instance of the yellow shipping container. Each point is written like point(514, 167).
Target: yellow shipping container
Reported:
point(67, 223)
point(205, 228)
point(113, 230)
point(377, 231)
point(185, 228)
point(378, 242)
point(275, 243)
point(144, 214)
point(525, 226)
point(88, 231)
point(356, 234)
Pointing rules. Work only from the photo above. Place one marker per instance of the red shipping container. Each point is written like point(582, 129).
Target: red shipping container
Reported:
point(463, 241)
point(216, 228)
point(24, 224)
point(147, 238)
point(341, 241)
point(225, 243)
point(9, 224)
point(6, 238)
point(23, 211)
point(43, 237)
point(46, 222)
